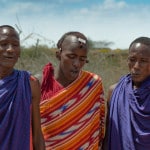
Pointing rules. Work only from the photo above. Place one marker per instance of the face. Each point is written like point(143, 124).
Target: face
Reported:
point(139, 63)
point(9, 47)
point(72, 59)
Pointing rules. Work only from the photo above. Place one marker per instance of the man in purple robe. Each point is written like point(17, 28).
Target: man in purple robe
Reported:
point(129, 99)
point(19, 98)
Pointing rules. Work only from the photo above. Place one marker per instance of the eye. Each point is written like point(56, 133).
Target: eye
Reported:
point(83, 59)
point(144, 61)
point(3, 44)
point(71, 56)
point(131, 59)
point(15, 44)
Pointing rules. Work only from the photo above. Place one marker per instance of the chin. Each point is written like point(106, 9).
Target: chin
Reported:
point(71, 79)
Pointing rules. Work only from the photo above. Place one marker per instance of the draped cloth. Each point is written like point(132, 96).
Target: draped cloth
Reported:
point(73, 118)
point(15, 100)
point(129, 121)
point(49, 85)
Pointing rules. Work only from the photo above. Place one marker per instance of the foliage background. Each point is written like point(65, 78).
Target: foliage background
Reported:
point(109, 64)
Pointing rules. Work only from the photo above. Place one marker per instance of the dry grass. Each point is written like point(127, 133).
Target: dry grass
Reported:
point(110, 66)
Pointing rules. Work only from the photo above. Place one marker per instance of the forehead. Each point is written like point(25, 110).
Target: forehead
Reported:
point(72, 43)
point(7, 32)
point(140, 49)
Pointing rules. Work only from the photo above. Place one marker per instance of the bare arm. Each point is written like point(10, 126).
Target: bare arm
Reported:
point(38, 140)
point(110, 90)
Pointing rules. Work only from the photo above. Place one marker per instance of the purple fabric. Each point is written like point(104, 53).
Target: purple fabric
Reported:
point(129, 119)
point(15, 100)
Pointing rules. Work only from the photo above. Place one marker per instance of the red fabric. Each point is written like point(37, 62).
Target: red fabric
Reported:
point(49, 85)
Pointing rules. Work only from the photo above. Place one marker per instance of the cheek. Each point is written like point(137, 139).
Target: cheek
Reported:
point(146, 71)
point(19, 51)
point(64, 64)
point(149, 69)
point(81, 65)
point(66, 61)
point(1, 50)
point(18, 54)
point(129, 66)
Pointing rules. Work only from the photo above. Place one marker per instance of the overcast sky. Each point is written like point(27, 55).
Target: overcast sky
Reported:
point(118, 21)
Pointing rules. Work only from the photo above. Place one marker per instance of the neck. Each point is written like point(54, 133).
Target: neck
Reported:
point(4, 72)
point(59, 76)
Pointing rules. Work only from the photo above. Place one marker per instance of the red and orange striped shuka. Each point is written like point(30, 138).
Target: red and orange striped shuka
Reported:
point(74, 117)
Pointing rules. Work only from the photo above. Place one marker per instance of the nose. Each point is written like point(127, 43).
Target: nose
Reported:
point(76, 63)
point(137, 64)
point(10, 48)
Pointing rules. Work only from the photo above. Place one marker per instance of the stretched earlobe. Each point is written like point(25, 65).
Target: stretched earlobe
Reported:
point(87, 61)
point(58, 54)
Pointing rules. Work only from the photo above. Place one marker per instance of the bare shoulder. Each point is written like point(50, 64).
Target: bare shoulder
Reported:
point(112, 87)
point(35, 87)
point(34, 81)
point(110, 90)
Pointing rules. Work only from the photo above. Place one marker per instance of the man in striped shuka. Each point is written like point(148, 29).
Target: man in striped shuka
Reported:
point(72, 104)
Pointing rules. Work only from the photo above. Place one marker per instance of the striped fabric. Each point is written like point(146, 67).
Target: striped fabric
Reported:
point(74, 117)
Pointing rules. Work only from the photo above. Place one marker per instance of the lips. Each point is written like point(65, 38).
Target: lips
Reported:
point(10, 58)
point(74, 73)
point(135, 75)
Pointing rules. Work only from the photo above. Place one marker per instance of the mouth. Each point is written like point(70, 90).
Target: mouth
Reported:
point(10, 57)
point(135, 74)
point(74, 72)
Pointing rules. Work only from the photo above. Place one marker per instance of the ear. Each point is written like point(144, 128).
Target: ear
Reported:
point(58, 52)
point(87, 61)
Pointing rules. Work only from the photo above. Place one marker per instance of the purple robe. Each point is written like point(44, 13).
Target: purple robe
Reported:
point(129, 120)
point(15, 101)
